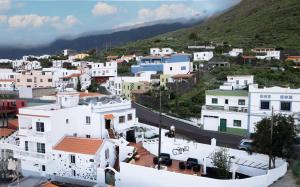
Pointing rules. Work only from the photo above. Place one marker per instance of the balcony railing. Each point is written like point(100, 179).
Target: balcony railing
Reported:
point(23, 153)
point(222, 108)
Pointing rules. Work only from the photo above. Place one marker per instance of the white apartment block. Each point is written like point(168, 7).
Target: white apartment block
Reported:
point(236, 52)
point(203, 56)
point(283, 100)
point(108, 69)
point(68, 140)
point(59, 63)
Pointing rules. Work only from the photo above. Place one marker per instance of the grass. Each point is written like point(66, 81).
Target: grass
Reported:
point(296, 170)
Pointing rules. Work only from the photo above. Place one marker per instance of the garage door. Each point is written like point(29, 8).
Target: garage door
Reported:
point(211, 123)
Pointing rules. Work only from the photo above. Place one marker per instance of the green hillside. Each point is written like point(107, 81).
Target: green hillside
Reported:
point(251, 23)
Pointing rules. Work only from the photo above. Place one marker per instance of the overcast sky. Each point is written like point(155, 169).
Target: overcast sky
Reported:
point(30, 22)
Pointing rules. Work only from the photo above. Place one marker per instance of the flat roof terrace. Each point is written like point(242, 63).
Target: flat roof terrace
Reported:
point(145, 158)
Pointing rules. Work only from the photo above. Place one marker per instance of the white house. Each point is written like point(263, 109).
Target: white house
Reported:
point(283, 100)
point(236, 52)
point(50, 134)
point(236, 110)
point(102, 71)
point(237, 82)
point(269, 55)
point(177, 68)
point(7, 79)
point(162, 51)
point(203, 56)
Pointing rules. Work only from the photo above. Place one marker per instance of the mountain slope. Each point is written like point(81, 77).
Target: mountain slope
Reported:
point(96, 41)
point(251, 23)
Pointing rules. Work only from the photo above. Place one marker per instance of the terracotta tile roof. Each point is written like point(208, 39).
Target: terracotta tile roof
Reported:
point(13, 123)
point(293, 58)
point(79, 145)
point(72, 75)
point(89, 94)
point(48, 184)
point(108, 116)
point(4, 132)
point(7, 80)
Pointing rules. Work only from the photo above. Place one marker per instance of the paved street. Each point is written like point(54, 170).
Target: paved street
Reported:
point(147, 116)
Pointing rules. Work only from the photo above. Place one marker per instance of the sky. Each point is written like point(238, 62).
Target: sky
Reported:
point(36, 22)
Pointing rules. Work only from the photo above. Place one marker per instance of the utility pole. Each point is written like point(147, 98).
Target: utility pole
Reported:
point(159, 134)
point(271, 138)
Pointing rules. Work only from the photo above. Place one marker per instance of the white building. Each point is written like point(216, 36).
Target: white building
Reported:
point(269, 55)
point(235, 82)
point(177, 68)
point(162, 51)
point(236, 52)
point(231, 109)
point(62, 139)
point(108, 69)
point(203, 56)
point(282, 100)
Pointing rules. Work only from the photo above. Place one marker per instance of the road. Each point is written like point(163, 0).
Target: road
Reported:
point(147, 116)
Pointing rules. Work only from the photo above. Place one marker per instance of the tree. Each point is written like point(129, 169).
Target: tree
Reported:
point(78, 87)
point(280, 142)
point(193, 36)
point(221, 160)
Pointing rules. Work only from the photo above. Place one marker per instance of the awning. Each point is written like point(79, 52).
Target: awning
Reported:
point(108, 116)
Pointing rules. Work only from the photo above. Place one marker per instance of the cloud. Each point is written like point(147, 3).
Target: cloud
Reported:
point(101, 9)
point(36, 21)
point(167, 11)
point(3, 19)
point(5, 5)
point(68, 22)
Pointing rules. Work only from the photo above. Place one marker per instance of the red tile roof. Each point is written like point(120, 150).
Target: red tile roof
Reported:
point(108, 116)
point(13, 123)
point(42, 116)
point(73, 144)
point(7, 80)
point(4, 132)
point(49, 184)
point(89, 94)
point(72, 75)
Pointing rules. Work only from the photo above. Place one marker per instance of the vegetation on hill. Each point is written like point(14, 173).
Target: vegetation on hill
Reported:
point(251, 23)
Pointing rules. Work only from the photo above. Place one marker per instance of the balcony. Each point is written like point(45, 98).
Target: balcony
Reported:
point(228, 109)
point(22, 154)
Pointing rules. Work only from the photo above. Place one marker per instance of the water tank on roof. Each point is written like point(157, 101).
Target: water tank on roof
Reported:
point(68, 99)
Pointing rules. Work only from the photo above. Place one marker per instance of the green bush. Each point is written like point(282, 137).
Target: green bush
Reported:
point(296, 168)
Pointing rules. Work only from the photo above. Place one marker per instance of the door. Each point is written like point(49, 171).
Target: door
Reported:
point(107, 123)
point(223, 125)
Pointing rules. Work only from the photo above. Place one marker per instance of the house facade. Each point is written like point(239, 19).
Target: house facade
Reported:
point(101, 72)
point(34, 79)
point(203, 56)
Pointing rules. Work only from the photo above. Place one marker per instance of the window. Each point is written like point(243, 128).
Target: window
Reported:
point(91, 160)
point(139, 87)
point(265, 105)
point(285, 106)
point(87, 119)
point(67, 121)
point(40, 127)
point(106, 154)
point(237, 82)
point(183, 67)
point(88, 136)
point(245, 82)
point(214, 101)
point(41, 148)
point(73, 172)
point(129, 117)
point(26, 145)
point(122, 119)
point(43, 168)
point(41, 80)
point(11, 76)
point(18, 80)
point(241, 101)
point(171, 68)
point(72, 157)
point(226, 101)
point(237, 123)
point(49, 80)
point(29, 80)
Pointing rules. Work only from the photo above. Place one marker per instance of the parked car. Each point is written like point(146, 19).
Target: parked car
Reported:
point(245, 145)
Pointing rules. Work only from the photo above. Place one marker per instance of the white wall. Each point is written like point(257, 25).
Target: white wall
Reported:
point(176, 68)
point(203, 56)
